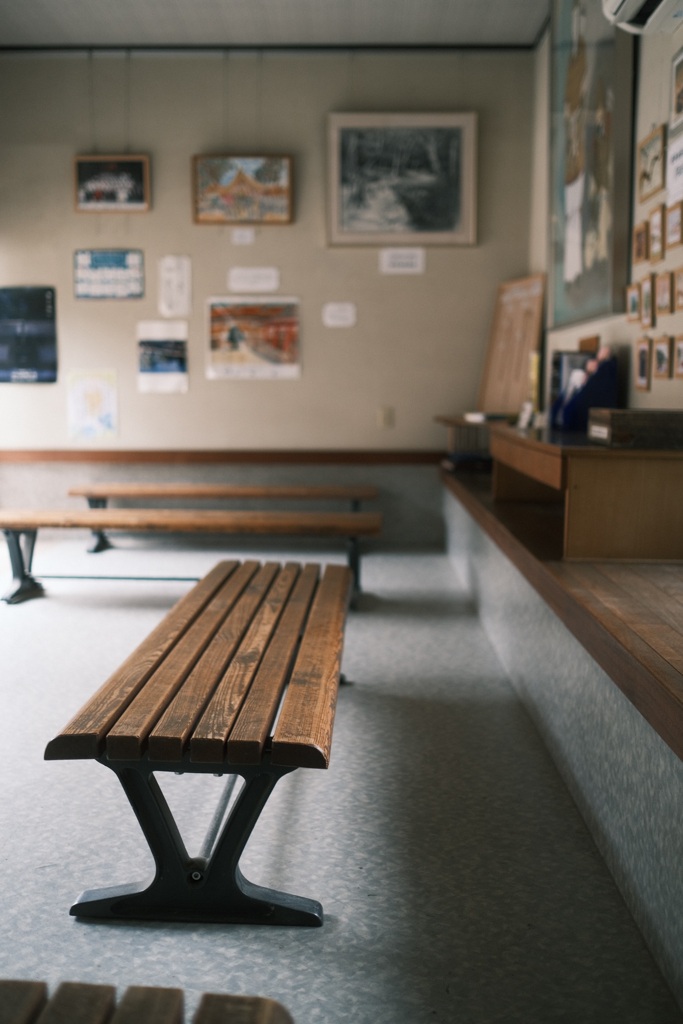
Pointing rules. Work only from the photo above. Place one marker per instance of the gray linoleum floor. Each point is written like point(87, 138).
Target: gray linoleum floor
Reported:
point(459, 883)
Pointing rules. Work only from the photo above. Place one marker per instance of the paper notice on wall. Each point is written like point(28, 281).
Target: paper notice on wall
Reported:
point(162, 356)
point(92, 405)
point(402, 261)
point(175, 286)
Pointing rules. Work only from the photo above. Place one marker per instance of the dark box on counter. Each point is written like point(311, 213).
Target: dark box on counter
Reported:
point(636, 428)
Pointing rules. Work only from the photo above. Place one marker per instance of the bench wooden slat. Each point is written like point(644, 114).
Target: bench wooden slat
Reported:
point(303, 734)
point(21, 1001)
point(276, 522)
point(247, 739)
point(232, 607)
point(323, 492)
point(225, 1009)
point(142, 1004)
point(208, 740)
point(168, 739)
point(80, 1003)
point(84, 735)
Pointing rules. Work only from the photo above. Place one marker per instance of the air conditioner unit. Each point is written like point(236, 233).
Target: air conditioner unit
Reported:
point(644, 16)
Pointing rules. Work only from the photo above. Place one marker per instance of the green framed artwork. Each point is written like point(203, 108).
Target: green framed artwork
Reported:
point(590, 154)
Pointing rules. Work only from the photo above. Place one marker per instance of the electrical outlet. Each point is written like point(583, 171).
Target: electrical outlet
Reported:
point(386, 417)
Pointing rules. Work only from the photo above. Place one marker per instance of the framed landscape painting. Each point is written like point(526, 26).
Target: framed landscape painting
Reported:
point(242, 189)
point(590, 163)
point(402, 179)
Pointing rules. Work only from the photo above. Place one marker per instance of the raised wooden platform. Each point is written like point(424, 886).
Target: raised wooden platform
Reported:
point(628, 615)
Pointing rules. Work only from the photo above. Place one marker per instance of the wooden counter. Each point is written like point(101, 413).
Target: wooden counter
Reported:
point(617, 503)
point(629, 617)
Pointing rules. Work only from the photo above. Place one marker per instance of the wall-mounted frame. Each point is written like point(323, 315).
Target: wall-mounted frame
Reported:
point(228, 189)
point(651, 164)
point(112, 184)
point(633, 302)
point(661, 357)
point(676, 113)
point(674, 225)
point(402, 179)
point(641, 242)
point(643, 363)
point(656, 233)
point(591, 153)
point(664, 293)
point(647, 310)
point(678, 357)
point(678, 288)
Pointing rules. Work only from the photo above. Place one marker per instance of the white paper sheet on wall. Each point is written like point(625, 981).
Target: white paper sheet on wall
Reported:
point(175, 286)
point(92, 405)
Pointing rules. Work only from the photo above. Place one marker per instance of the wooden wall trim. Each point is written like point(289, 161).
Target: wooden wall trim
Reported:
point(209, 456)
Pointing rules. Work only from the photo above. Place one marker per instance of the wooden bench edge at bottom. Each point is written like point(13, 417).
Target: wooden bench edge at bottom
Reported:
point(25, 1002)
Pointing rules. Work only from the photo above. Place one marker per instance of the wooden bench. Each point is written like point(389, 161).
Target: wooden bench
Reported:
point(239, 679)
point(29, 1002)
point(99, 495)
point(20, 527)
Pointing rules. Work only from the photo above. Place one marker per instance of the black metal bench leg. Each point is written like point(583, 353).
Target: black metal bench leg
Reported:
point(353, 553)
point(20, 544)
point(205, 888)
point(100, 541)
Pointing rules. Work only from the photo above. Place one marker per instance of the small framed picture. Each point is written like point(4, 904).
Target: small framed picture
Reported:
point(657, 242)
point(674, 223)
point(641, 242)
point(651, 168)
point(242, 189)
point(633, 302)
point(678, 356)
point(676, 115)
point(647, 312)
point(643, 361)
point(662, 357)
point(664, 293)
point(112, 184)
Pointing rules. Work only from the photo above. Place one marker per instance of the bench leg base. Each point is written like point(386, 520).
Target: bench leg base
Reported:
point(248, 904)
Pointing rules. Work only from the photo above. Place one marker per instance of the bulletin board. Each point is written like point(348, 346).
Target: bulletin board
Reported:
point(516, 333)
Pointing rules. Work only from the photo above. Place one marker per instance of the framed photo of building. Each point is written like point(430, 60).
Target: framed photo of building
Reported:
point(641, 242)
point(656, 233)
point(676, 114)
point(678, 357)
point(112, 184)
point(242, 189)
point(674, 225)
point(662, 357)
point(633, 302)
point(647, 309)
point(591, 145)
point(402, 179)
point(651, 166)
point(664, 293)
point(643, 363)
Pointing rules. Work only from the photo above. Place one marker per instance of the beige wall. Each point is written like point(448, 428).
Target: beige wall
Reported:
point(419, 343)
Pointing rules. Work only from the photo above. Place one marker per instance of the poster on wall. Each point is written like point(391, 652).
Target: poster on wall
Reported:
point(590, 160)
point(162, 356)
point(92, 405)
point(109, 274)
point(253, 338)
point(28, 335)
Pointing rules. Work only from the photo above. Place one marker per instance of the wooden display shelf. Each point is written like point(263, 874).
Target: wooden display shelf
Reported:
point(618, 504)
